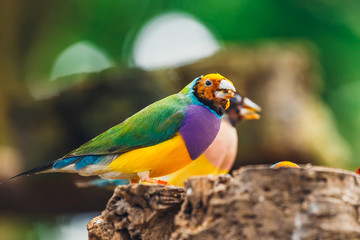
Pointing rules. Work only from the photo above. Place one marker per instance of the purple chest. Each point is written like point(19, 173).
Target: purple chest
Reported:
point(199, 129)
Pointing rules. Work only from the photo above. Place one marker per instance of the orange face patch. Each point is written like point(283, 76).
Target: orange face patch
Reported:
point(208, 84)
point(214, 91)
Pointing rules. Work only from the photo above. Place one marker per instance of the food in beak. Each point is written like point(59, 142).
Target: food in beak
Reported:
point(224, 93)
point(226, 90)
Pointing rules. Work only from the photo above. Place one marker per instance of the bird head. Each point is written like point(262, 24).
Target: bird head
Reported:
point(242, 108)
point(215, 91)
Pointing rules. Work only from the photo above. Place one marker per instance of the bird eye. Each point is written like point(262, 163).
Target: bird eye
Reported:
point(208, 83)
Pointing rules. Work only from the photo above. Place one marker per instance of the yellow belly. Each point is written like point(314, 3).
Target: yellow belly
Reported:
point(200, 166)
point(161, 159)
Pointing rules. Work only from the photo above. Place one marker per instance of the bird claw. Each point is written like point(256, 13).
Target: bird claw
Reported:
point(156, 181)
point(144, 178)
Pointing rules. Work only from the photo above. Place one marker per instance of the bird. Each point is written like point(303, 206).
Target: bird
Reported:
point(285, 164)
point(220, 155)
point(217, 159)
point(156, 141)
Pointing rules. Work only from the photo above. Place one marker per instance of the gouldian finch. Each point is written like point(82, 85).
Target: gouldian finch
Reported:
point(221, 154)
point(158, 140)
point(286, 164)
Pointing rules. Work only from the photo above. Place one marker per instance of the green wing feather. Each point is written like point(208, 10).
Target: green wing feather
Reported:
point(156, 123)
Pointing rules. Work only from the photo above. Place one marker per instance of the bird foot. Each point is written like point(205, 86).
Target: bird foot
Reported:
point(156, 181)
point(144, 178)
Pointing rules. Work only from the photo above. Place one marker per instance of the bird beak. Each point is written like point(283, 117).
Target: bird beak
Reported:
point(249, 110)
point(226, 90)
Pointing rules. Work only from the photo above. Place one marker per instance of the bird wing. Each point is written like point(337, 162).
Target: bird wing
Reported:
point(154, 124)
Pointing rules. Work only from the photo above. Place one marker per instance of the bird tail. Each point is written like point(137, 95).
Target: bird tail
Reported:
point(71, 164)
point(54, 165)
point(36, 170)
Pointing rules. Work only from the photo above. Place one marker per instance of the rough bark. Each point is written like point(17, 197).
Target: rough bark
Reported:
point(138, 212)
point(257, 203)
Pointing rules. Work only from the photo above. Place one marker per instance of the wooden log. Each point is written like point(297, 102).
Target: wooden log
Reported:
point(138, 212)
point(257, 203)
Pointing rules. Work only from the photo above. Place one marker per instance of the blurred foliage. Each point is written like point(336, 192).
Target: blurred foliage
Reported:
point(17, 228)
point(45, 29)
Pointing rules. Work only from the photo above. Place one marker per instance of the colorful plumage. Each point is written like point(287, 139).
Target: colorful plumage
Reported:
point(158, 140)
point(221, 154)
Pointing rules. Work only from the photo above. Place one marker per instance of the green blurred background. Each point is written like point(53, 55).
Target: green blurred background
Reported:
point(71, 69)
